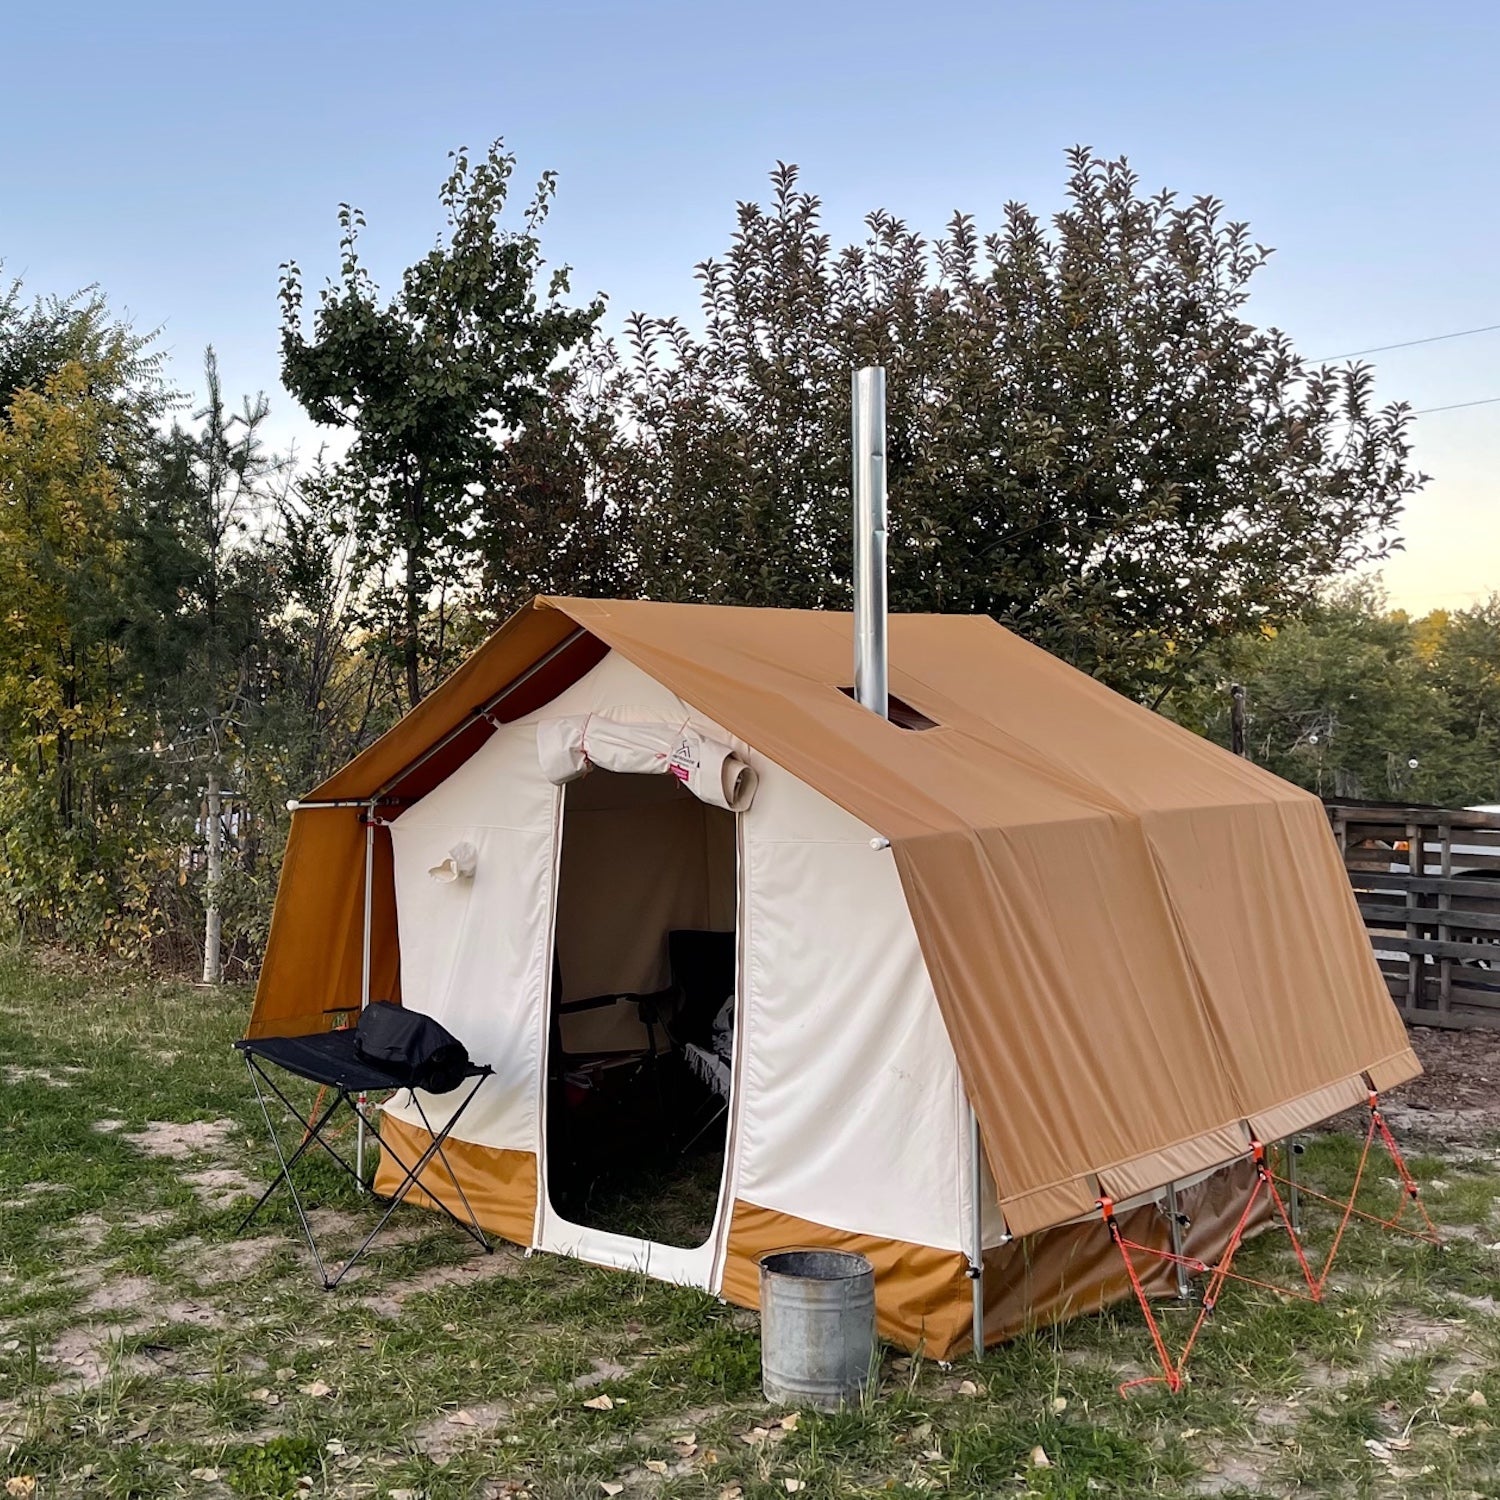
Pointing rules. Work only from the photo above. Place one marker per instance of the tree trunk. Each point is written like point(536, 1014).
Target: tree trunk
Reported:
point(213, 972)
point(413, 640)
point(413, 680)
point(1237, 719)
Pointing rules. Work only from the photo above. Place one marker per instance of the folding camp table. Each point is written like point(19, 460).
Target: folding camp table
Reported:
point(329, 1059)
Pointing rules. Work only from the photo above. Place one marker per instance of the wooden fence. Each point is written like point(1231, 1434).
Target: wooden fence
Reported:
point(1427, 881)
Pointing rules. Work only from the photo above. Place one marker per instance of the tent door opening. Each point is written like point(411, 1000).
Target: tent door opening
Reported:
point(641, 1030)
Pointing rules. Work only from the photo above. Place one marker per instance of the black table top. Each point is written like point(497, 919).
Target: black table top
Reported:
point(328, 1058)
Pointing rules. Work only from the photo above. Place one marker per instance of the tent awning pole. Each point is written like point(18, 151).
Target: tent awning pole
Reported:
point(364, 980)
point(295, 805)
point(976, 1231)
point(483, 711)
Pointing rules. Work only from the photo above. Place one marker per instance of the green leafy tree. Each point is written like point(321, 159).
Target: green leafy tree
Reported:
point(1087, 439)
point(1464, 659)
point(73, 863)
point(208, 599)
point(41, 335)
point(543, 523)
point(428, 384)
point(1356, 700)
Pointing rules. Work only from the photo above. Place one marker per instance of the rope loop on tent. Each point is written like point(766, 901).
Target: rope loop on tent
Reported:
point(1267, 1184)
point(1174, 1369)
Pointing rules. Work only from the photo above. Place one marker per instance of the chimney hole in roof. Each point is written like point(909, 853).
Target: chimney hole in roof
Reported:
point(900, 713)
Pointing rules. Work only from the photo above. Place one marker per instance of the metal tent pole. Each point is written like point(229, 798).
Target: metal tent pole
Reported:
point(976, 1231)
point(1174, 1225)
point(1294, 1193)
point(871, 674)
point(364, 977)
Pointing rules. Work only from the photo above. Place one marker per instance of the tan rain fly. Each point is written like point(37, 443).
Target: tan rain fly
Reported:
point(1139, 943)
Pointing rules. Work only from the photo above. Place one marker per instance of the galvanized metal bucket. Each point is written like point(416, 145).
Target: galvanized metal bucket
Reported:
point(817, 1327)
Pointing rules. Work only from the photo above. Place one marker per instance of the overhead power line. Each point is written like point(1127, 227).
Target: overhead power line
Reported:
point(1435, 338)
point(1456, 406)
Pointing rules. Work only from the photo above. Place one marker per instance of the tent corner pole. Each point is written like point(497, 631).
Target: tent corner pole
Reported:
point(976, 1231)
point(364, 974)
point(1174, 1228)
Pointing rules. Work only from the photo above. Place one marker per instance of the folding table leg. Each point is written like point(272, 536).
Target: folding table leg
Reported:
point(286, 1173)
point(312, 1134)
point(439, 1141)
point(409, 1181)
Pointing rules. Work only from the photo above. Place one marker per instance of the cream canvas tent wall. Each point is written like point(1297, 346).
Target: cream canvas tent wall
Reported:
point(1125, 950)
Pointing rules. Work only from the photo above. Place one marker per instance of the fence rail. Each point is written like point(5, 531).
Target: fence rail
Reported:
point(1427, 881)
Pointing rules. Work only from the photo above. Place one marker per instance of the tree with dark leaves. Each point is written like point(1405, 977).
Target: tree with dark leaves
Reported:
point(429, 384)
point(1088, 440)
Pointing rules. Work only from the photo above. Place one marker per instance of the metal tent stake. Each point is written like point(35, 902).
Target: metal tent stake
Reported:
point(1174, 1226)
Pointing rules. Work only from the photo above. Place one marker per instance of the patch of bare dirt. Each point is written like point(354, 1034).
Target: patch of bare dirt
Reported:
point(89, 1230)
point(1233, 1471)
point(456, 1430)
point(87, 1353)
point(1278, 1414)
point(505, 1261)
point(15, 1073)
point(178, 1142)
point(123, 1293)
point(186, 1310)
point(213, 1265)
point(29, 1192)
point(218, 1187)
point(602, 1370)
point(12, 1420)
point(1456, 1101)
point(150, 1219)
point(329, 1222)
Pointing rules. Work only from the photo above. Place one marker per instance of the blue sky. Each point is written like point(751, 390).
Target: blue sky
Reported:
point(177, 154)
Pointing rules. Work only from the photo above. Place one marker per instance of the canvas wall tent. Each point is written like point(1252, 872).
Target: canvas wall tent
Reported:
point(1127, 949)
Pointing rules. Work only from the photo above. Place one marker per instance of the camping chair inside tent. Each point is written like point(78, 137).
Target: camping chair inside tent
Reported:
point(702, 1026)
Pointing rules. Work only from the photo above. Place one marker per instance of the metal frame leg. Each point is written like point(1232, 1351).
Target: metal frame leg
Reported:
point(286, 1174)
point(1175, 1225)
point(409, 1181)
point(314, 1129)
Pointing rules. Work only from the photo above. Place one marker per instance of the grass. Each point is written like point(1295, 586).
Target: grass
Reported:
point(146, 1351)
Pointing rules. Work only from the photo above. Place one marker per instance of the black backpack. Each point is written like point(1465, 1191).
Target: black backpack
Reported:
point(413, 1048)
